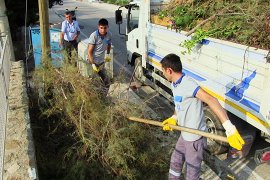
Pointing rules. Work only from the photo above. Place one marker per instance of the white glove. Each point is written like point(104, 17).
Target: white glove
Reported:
point(107, 58)
point(229, 127)
point(95, 68)
point(174, 117)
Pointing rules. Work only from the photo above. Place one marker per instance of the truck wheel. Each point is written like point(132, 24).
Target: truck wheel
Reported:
point(138, 69)
point(214, 126)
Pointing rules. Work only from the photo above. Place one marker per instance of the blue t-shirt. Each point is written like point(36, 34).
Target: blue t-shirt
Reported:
point(189, 109)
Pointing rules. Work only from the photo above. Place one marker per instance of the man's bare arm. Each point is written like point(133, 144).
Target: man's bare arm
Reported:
point(90, 53)
point(61, 38)
point(213, 104)
point(234, 138)
point(77, 35)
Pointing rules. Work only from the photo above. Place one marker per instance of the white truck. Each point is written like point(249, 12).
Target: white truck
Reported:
point(237, 75)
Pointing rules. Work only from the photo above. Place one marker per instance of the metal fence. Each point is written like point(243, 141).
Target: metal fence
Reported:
point(5, 56)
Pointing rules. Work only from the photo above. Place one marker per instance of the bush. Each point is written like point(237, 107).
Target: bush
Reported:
point(85, 135)
point(121, 2)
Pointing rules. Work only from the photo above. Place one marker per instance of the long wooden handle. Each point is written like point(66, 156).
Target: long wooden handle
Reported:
point(181, 128)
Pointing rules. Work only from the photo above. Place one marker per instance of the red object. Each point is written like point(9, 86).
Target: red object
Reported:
point(265, 156)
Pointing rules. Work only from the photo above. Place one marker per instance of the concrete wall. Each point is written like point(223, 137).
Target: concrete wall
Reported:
point(19, 160)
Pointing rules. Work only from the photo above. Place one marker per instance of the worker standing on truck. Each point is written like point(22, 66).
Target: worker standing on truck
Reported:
point(70, 32)
point(188, 99)
point(99, 50)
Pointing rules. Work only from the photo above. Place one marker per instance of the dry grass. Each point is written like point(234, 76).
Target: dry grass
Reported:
point(85, 135)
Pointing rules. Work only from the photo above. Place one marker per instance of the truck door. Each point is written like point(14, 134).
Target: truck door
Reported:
point(132, 28)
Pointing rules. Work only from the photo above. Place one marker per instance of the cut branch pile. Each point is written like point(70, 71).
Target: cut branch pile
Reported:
point(85, 135)
point(245, 22)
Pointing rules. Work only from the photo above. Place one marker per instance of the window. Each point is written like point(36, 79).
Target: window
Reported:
point(133, 18)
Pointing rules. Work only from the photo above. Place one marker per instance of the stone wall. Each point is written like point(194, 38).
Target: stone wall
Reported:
point(19, 160)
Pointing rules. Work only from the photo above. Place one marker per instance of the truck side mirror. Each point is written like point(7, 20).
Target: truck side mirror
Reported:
point(118, 17)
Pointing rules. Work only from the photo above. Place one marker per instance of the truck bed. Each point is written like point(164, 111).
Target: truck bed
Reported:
point(237, 75)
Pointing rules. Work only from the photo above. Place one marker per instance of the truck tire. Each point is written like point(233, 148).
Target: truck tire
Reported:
point(214, 126)
point(138, 74)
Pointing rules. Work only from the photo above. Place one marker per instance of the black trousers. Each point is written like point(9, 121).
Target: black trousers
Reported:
point(105, 79)
point(69, 46)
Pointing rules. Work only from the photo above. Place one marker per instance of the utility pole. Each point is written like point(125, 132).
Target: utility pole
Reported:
point(4, 28)
point(44, 29)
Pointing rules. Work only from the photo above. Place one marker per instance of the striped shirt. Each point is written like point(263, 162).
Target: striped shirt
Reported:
point(101, 43)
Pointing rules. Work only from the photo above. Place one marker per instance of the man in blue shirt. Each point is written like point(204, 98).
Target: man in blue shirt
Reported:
point(70, 32)
point(188, 99)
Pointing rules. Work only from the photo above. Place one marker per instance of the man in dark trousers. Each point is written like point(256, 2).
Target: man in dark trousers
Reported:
point(188, 99)
point(99, 49)
point(70, 32)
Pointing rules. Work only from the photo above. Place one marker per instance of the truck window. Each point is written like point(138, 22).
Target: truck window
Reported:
point(133, 18)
